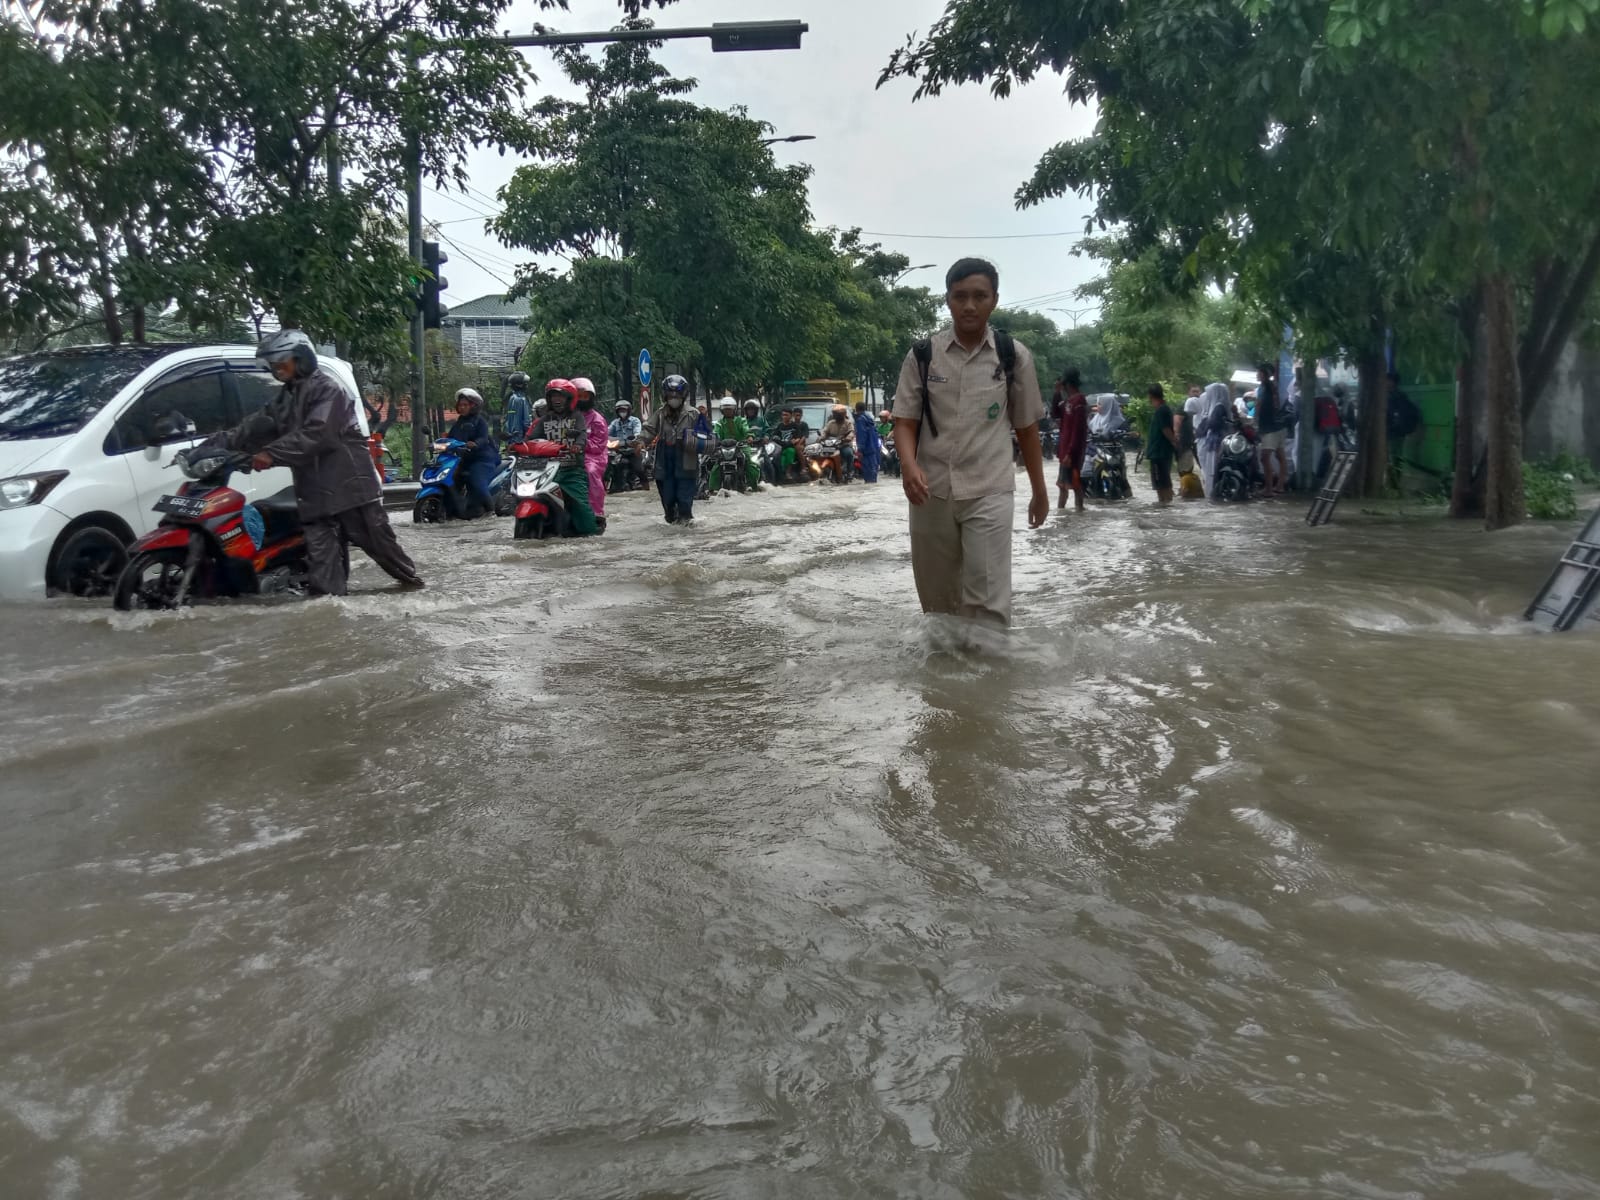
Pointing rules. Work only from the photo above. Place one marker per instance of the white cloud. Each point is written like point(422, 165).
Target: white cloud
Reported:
point(948, 165)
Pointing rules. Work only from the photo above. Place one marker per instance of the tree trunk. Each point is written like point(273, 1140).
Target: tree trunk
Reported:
point(1503, 499)
point(109, 310)
point(1558, 304)
point(1306, 436)
point(1466, 487)
point(1372, 424)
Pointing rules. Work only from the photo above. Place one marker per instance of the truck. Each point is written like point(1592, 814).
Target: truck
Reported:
point(829, 391)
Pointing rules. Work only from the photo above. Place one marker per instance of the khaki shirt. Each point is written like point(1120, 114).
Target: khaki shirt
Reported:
point(971, 457)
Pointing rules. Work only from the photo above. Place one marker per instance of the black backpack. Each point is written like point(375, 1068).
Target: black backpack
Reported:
point(922, 351)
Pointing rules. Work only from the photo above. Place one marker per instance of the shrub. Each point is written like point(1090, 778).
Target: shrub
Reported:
point(1566, 463)
point(1549, 493)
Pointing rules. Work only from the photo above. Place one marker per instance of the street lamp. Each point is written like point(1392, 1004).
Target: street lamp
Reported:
point(1075, 313)
point(726, 36)
point(908, 270)
point(793, 137)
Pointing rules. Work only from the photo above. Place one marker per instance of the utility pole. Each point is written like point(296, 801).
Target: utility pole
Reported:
point(341, 346)
point(418, 333)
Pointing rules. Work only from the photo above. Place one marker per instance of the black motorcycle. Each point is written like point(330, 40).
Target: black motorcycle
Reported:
point(620, 475)
point(889, 464)
point(1236, 468)
point(1107, 476)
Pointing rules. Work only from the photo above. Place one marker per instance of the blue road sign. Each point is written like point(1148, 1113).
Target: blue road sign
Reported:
point(644, 366)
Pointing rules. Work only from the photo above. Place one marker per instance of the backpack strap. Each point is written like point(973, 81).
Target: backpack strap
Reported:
point(922, 351)
point(1006, 347)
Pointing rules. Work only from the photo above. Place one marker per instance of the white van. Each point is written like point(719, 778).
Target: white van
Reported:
point(86, 436)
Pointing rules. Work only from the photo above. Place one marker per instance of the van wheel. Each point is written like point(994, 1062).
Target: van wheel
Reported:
point(87, 563)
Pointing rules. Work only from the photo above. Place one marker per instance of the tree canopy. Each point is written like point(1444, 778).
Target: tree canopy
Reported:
point(686, 235)
point(1345, 165)
point(180, 153)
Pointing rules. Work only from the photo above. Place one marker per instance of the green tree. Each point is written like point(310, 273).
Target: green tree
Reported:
point(685, 235)
point(1416, 150)
point(177, 152)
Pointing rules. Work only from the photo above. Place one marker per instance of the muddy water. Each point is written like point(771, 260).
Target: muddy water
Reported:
point(1258, 862)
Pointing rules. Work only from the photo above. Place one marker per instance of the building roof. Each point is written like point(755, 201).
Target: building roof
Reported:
point(490, 306)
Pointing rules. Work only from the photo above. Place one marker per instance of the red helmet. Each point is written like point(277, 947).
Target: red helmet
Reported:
point(564, 386)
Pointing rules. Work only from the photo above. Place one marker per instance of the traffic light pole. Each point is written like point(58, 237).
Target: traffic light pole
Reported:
point(418, 333)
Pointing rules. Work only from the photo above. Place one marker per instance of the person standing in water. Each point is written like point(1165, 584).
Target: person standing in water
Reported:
point(961, 394)
point(1072, 438)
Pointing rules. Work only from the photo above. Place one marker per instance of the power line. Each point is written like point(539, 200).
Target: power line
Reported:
point(484, 252)
point(488, 216)
point(486, 270)
point(973, 237)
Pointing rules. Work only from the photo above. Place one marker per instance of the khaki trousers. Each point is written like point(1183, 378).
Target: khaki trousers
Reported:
point(961, 556)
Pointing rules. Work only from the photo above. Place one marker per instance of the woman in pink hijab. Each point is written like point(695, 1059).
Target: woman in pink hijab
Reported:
point(594, 457)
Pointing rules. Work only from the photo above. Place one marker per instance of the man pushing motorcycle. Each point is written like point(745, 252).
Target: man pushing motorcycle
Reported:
point(311, 428)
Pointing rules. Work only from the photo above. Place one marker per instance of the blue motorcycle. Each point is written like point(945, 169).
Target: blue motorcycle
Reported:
point(443, 495)
point(500, 490)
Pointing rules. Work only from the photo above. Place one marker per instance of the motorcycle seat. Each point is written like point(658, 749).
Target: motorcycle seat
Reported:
point(282, 504)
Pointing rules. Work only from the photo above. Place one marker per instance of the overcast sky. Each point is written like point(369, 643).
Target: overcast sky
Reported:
point(947, 166)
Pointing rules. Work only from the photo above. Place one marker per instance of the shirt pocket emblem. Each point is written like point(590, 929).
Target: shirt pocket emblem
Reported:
point(994, 410)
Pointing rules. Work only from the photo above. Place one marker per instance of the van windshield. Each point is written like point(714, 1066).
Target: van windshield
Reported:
point(56, 393)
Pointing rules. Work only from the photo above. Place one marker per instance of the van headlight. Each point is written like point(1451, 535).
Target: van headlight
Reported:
point(19, 491)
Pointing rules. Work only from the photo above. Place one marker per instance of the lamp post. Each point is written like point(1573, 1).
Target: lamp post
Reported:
point(908, 270)
point(793, 137)
point(1075, 313)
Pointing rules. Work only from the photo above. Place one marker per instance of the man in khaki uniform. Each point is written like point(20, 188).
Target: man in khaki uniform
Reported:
point(960, 480)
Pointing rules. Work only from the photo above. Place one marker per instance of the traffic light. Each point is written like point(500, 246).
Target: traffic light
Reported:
point(432, 284)
point(730, 36)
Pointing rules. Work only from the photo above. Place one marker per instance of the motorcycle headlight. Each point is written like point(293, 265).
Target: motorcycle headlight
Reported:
point(19, 491)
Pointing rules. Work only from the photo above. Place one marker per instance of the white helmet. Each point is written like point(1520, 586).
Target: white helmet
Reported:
point(728, 403)
point(582, 384)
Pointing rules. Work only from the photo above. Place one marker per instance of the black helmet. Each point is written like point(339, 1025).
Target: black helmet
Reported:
point(288, 344)
point(675, 387)
point(518, 381)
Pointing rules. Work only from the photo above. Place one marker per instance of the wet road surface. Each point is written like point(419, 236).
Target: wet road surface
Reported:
point(1257, 862)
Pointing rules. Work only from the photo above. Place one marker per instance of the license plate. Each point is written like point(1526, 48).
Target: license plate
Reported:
point(181, 506)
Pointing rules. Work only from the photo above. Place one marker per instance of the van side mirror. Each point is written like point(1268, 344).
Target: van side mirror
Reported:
point(174, 426)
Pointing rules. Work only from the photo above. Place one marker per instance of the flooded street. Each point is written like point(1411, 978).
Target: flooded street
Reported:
point(1259, 861)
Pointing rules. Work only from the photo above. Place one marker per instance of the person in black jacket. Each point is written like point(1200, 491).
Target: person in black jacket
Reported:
point(482, 461)
point(311, 428)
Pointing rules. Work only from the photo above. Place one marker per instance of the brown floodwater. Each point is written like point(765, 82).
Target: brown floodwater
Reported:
point(1258, 861)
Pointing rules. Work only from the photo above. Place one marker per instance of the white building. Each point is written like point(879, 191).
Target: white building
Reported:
point(487, 331)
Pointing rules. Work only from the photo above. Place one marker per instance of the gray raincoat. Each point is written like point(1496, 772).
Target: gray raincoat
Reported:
point(311, 428)
point(666, 429)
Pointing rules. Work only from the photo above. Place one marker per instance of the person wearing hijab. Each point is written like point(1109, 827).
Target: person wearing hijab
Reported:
point(480, 460)
point(1108, 420)
point(595, 453)
point(1209, 432)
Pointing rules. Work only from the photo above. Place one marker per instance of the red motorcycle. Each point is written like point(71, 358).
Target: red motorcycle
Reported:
point(541, 510)
point(210, 544)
